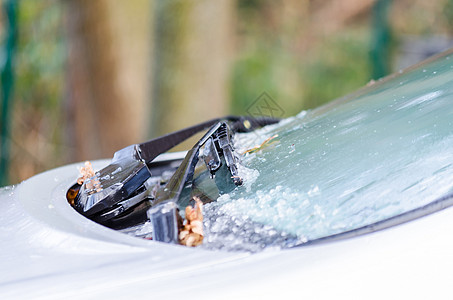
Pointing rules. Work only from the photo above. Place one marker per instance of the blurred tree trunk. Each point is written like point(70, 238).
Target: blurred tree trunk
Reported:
point(107, 90)
point(192, 50)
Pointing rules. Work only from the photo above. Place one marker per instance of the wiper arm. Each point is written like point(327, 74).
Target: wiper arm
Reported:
point(164, 215)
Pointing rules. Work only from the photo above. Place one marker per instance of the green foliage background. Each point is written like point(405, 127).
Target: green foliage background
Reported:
point(298, 69)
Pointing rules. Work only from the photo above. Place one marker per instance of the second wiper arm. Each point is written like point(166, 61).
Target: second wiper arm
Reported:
point(164, 214)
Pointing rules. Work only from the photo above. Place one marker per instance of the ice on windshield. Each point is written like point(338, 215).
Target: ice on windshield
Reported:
point(376, 154)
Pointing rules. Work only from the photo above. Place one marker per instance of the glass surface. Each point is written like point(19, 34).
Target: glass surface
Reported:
point(380, 152)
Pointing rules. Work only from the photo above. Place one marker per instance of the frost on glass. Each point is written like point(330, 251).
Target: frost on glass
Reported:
point(378, 153)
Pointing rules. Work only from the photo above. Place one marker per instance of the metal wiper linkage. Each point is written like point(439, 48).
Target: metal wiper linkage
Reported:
point(122, 193)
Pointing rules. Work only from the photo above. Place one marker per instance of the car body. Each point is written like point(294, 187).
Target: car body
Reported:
point(377, 161)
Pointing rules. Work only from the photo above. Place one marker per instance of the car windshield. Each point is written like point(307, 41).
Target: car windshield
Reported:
point(381, 152)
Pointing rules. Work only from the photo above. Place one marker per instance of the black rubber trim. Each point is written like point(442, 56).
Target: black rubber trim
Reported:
point(428, 209)
point(151, 149)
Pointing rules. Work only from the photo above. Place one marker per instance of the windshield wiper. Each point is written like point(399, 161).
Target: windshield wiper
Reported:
point(122, 190)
